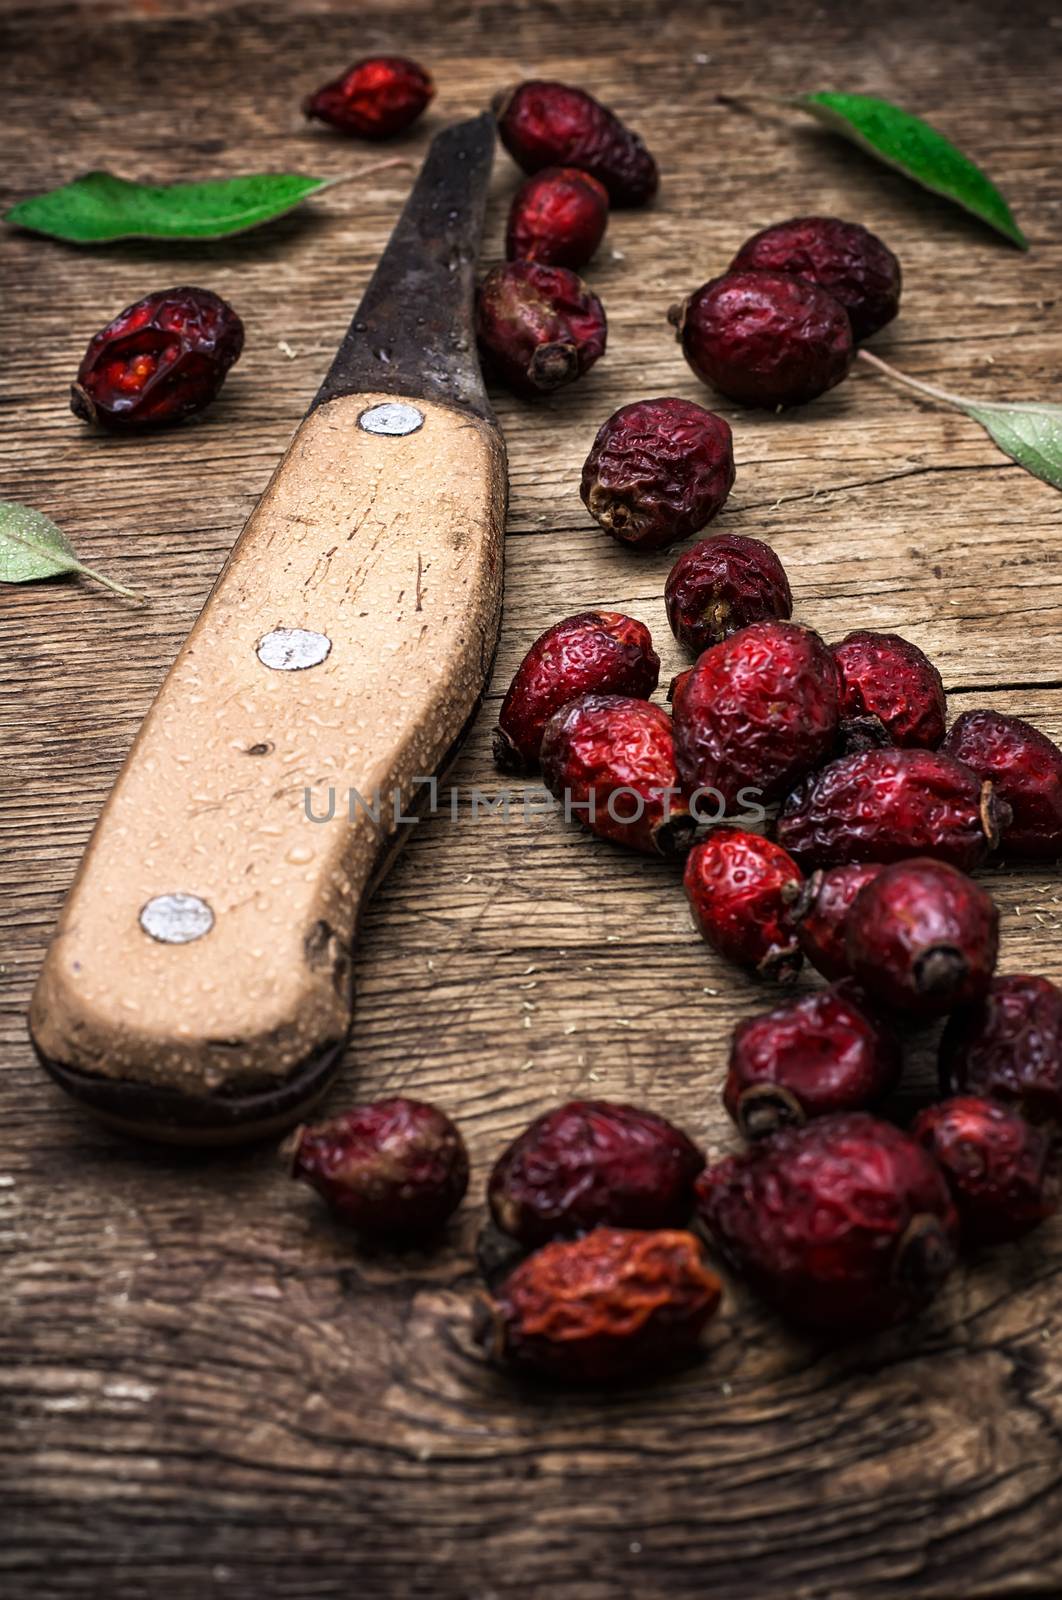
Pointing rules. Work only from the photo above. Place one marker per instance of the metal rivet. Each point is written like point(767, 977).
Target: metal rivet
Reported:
point(391, 417)
point(176, 918)
point(292, 649)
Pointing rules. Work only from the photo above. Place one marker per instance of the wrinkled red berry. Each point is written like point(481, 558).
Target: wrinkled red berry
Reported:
point(614, 1304)
point(889, 678)
point(722, 584)
point(1024, 767)
point(1004, 1174)
point(611, 760)
point(558, 216)
point(922, 938)
point(539, 327)
point(595, 652)
point(375, 98)
point(819, 914)
point(544, 124)
point(395, 1167)
point(737, 884)
point(591, 1162)
point(658, 471)
point(884, 805)
point(158, 360)
point(845, 1224)
point(1009, 1047)
point(765, 339)
point(756, 712)
point(809, 1057)
point(843, 257)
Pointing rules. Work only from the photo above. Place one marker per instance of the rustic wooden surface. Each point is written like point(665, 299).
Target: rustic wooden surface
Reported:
point(206, 1389)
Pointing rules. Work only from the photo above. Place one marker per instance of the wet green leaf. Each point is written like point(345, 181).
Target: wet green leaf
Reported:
point(1031, 434)
point(32, 547)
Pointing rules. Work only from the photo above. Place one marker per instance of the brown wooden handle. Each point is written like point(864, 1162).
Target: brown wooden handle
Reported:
point(376, 559)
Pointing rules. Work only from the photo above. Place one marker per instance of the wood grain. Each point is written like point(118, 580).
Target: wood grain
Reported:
point(207, 1390)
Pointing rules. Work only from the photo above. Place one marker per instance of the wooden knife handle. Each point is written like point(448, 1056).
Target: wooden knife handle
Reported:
point(378, 558)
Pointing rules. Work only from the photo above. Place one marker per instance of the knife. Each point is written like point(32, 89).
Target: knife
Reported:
point(198, 987)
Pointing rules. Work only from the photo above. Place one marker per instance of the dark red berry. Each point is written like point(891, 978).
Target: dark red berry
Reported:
point(658, 471)
point(596, 652)
point(395, 1167)
point(809, 1057)
point(1004, 1174)
point(375, 98)
point(1024, 767)
point(614, 1304)
point(845, 1224)
point(544, 124)
point(922, 938)
point(819, 914)
point(558, 216)
point(158, 360)
point(539, 327)
point(889, 678)
point(610, 760)
point(722, 584)
point(591, 1162)
point(765, 339)
point(842, 257)
point(756, 712)
point(885, 805)
point(737, 885)
point(1009, 1047)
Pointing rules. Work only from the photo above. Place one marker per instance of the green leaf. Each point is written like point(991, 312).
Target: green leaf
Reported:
point(1030, 434)
point(914, 148)
point(32, 547)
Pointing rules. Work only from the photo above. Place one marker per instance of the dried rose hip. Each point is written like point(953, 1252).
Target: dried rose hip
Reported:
point(887, 677)
point(845, 1224)
point(539, 327)
point(591, 1162)
point(158, 360)
point(756, 712)
point(737, 886)
point(1024, 767)
point(1009, 1047)
point(544, 124)
point(600, 652)
point(922, 938)
point(722, 584)
point(843, 257)
point(375, 98)
point(614, 1304)
point(1004, 1174)
point(809, 1057)
point(819, 914)
point(884, 805)
point(658, 471)
point(558, 216)
point(611, 760)
point(397, 1167)
point(765, 339)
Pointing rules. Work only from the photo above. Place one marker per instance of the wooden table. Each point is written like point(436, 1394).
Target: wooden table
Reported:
point(209, 1390)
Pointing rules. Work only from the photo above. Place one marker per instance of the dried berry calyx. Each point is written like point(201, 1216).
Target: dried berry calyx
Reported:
point(737, 884)
point(397, 1167)
point(594, 652)
point(818, 912)
point(722, 584)
point(546, 124)
point(539, 327)
point(593, 1162)
point(765, 339)
point(159, 360)
point(845, 1224)
point(887, 677)
point(558, 216)
point(843, 257)
point(614, 1304)
point(1024, 767)
point(658, 471)
point(374, 99)
point(1004, 1174)
point(1008, 1046)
